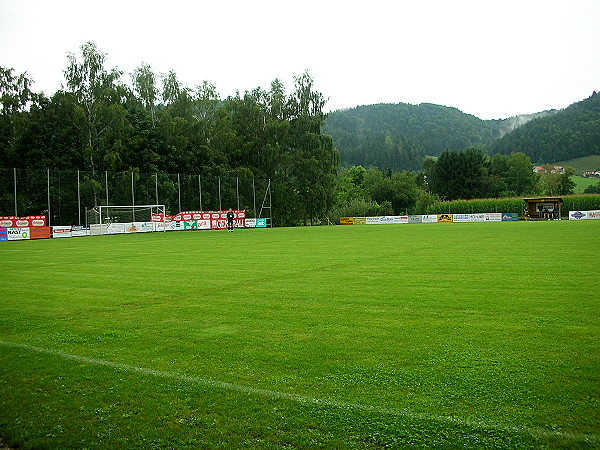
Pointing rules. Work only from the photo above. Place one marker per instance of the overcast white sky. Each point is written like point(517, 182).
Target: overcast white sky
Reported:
point(492, 59)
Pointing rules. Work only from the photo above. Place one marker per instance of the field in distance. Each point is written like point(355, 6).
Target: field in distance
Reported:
point(433, 335)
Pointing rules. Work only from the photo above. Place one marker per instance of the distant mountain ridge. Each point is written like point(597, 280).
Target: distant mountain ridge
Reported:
point(573, 132)
point(505, 126)
point(398, 136)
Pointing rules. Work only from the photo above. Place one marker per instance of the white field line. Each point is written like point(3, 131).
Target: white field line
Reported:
point(536, 431)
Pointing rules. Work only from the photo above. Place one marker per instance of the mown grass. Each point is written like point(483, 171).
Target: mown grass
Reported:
point(431, 335)
point(582, 183)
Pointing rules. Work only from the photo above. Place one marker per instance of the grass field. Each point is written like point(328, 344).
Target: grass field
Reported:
point(581, 183)
point(591, 162)
point(432, 336)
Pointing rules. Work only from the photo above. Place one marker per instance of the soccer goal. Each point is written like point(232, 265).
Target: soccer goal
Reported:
point(103, 215)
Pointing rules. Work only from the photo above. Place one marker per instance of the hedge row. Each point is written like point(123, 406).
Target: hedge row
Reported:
point(582, 202)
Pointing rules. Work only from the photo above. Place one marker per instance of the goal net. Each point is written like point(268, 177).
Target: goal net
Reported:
point(123, 214)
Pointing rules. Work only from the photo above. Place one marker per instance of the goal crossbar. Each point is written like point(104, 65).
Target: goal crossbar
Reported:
point(124, 213)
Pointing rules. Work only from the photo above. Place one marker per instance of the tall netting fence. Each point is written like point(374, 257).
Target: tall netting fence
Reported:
point(65, 196)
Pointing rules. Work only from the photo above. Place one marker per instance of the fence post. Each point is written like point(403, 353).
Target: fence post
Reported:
point(78, 200)
point(254, 196)
point(48, 180)
point(270, 204)
point(179, 191)
point(132, 190)
point(220, 205)
point(156, 186)
point(106, 185)
point(200, 192)
point(15, 180)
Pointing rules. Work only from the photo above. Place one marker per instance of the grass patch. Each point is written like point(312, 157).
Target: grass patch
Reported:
point(591, 162)
point(474, 335)
point(581, 183)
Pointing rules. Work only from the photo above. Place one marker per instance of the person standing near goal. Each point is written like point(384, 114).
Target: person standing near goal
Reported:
point(230, 216)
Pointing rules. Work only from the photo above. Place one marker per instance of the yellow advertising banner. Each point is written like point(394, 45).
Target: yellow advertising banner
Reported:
point(360, 220)
point(444, 217)
point(346, 220)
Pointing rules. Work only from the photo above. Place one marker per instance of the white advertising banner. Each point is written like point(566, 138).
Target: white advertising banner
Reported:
point(460, 218)
point(161, 226)
point(382, 220)
point(61, 232)
point(594, 214)
point(176, 225)
point(79, 231)
point(204, 224)
point(584, 215)
point(97, 229)
point(481, 217)
point(577, 215)
point(400, 219)
point(115, 228)
point(107, 228)
point(430, 218)
point(17, 234)
point(139, 227)
point(493, 217)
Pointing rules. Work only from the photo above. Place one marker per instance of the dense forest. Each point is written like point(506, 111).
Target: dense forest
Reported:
point(155, 124)
point(573, 132)
point(399, 136)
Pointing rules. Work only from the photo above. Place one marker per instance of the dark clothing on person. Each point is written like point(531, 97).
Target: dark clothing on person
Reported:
point(230, 217)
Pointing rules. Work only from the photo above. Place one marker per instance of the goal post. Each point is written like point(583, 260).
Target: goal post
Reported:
point(105, 215)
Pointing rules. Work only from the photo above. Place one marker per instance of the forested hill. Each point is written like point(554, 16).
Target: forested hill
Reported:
point(399, 136)
point(573, 132)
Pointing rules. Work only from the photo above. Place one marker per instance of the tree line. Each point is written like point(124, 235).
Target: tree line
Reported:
point(454, 175)
point(155, 124)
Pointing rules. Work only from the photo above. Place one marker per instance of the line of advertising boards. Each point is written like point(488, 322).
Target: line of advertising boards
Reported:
point(26, 228)
point(456, 218)
point(431, 218)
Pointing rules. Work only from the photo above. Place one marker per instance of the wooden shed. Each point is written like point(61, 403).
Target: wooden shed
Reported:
point(543, 208)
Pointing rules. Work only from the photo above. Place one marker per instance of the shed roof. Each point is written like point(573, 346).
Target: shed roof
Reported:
point(544, 199)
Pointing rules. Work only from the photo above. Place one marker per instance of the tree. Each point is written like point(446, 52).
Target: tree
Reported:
point(15, 94)
point(15, 91)
point(310, 160)
point(144, 85)
point(460, 175)
point(593, 189)
point(171, 88)
point(399, 189)
point(350, 184)
point(553, 182)
point(99, 113)
point(565, 184)
point(520, 177)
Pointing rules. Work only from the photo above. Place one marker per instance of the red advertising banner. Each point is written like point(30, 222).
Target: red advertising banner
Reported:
point(39, 233)
point(218, 224)
point(218, 219)
point(160, 217)
point(22, 222)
